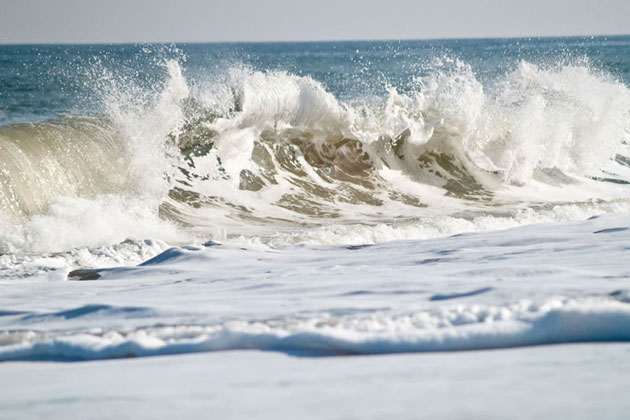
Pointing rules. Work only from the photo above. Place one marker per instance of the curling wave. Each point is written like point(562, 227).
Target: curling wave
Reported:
point(267, 151)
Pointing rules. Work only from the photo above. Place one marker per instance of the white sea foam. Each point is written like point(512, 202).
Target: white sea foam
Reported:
point(76, 222)
point(533, 285)
point(471, 328)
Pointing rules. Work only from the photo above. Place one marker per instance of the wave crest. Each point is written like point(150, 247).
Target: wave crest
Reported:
point(276, 149)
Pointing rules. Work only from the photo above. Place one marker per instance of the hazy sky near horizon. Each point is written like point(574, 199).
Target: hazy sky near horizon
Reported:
point(87, 21)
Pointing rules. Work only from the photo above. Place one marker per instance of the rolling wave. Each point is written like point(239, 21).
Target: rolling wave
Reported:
point(269, 150)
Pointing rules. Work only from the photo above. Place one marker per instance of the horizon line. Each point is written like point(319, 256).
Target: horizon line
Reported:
point(87, 43)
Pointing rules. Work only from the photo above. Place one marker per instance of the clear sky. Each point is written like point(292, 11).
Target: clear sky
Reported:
point(80, 21)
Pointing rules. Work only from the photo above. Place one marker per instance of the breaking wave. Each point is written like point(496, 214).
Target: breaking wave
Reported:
point(268, 152)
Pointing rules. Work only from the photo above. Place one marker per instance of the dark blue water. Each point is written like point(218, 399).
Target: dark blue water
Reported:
point(39, 82)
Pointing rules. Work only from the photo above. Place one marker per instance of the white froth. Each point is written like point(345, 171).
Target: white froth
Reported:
point(534, 285)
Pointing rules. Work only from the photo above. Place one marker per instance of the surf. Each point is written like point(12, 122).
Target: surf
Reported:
point(264, 154)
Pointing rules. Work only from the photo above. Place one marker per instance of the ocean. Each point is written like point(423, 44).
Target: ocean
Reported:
point(465, 202)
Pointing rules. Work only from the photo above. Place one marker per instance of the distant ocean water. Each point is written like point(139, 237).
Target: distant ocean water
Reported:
point(308, 152)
